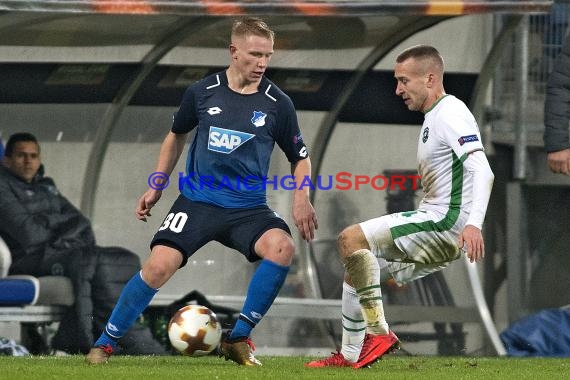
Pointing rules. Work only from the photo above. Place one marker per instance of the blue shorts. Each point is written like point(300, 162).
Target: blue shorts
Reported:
point(190, 225)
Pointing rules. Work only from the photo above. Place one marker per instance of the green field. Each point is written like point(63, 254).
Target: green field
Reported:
point(277, 368)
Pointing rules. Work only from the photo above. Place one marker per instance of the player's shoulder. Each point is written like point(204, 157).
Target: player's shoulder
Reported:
point(452, 100)
point(452, 105)
point(209, 82)
point(203, 86)
point(269, 89)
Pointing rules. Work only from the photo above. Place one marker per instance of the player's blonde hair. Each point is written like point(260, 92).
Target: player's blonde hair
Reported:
point(252, 26)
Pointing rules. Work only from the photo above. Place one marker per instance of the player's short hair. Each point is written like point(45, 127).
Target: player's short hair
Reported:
point(423, 53)
point(19, 137)
point(252, 26)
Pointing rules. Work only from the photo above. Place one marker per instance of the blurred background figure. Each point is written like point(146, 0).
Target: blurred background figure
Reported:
point(48, 236)
point(557, 113)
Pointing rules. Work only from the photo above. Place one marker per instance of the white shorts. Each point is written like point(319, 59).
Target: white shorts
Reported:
point(414, 243)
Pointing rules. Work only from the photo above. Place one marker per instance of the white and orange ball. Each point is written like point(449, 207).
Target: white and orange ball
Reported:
point(194, 330)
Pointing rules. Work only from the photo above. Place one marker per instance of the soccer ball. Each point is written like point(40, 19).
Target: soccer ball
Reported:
point(194, 330)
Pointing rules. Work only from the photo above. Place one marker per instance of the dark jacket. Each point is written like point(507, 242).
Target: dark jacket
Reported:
point(47, 235)
point(37, 222)
point(557, 103)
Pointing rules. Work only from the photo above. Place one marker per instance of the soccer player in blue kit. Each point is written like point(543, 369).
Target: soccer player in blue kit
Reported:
point(238, 115)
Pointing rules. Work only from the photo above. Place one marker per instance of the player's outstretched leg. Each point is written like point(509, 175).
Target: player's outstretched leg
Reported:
point(135, 297)
point(364, 270)
point(353, 331)
point(263, 288)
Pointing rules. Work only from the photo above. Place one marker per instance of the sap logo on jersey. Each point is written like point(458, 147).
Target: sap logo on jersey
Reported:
point(227, 140)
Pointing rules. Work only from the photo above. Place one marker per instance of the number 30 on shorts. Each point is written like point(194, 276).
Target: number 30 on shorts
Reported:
point(174, 221)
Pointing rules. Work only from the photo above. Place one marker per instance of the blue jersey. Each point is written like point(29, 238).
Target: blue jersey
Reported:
point(229, 157)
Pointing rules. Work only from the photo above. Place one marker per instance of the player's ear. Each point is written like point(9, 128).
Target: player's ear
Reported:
point(430, 80)
point(233, 51)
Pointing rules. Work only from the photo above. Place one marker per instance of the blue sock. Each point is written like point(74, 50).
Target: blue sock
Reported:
point(135, 297)
point(263, 288)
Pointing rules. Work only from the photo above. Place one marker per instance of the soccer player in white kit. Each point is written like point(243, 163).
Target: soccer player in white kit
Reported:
point(457, 182)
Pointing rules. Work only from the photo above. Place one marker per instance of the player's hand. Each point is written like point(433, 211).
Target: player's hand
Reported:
point(471, 242)
point(559, 162)
point(146, 202)
point(304, 216)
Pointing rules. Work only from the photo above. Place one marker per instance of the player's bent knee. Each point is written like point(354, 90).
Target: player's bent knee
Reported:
point(351, 239)
point(156, 276)
point(276, 245)
point(157, 270)
point(278, 248)
point(284, 252)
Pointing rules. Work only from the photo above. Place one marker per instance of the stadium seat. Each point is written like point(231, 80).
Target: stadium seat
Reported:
point(33, 301)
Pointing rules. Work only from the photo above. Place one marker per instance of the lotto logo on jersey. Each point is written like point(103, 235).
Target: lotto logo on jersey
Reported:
point(227, 140)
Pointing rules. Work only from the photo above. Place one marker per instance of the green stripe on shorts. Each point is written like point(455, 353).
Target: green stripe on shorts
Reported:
point(452, 213)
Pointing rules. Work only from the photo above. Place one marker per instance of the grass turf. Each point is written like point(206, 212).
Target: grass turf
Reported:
point(277, 368)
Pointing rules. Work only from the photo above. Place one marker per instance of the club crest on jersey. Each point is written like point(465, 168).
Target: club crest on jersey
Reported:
point(226, 140)
point(465, 139)
point(258, 118)
point(425, 135)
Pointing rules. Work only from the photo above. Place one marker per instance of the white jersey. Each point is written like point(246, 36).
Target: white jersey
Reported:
point(449, 133)
point(416, 243)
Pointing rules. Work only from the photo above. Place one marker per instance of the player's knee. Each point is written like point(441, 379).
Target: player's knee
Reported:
point(284, 252)
point(344, 241)
point(351, 239)
point(280, 251)
point(155, 274)
point(277, 247)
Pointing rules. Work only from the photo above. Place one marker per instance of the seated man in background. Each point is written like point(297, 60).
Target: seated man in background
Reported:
point(47, 235)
